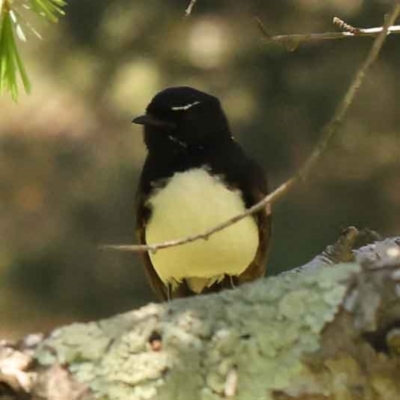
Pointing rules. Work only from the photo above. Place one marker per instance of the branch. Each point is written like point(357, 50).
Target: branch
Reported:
point(189, 8)
point(292, 41)
point(327, 133)
point(328, 331)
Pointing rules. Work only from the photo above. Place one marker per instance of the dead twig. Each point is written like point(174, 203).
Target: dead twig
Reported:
point(189, 8)
point(344, 26)
point(292, 41)
point(326, 135)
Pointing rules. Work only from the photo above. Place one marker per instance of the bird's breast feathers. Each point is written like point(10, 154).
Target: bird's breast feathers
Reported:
point(190, 203)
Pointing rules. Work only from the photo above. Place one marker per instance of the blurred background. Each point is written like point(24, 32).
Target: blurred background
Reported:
point(70, 157)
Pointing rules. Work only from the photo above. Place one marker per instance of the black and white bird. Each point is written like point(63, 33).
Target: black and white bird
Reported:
point(196, 176)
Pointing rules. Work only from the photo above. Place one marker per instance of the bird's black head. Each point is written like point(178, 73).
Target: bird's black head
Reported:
point(182, 118)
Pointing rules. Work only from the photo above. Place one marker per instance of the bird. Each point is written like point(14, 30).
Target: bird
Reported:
point(194, 177)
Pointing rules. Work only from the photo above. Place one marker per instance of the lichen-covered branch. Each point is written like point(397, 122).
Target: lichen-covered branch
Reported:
point(326, 331)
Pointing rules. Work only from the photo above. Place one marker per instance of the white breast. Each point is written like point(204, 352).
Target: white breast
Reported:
point(193, 202)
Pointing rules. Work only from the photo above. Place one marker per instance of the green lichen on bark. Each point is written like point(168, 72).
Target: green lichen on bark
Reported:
point(250, 342)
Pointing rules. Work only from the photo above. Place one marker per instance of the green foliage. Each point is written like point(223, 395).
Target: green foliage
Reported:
point(11, 63)
point(50, 9)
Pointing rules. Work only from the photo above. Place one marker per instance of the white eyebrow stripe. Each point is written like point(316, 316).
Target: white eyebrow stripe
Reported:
point(185, 107)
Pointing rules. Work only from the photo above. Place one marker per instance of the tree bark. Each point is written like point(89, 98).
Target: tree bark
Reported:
point(327, 330)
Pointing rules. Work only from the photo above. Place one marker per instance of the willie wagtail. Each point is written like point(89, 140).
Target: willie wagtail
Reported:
point(196, 176)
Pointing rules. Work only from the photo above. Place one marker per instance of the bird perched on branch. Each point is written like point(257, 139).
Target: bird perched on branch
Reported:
point(196, 176)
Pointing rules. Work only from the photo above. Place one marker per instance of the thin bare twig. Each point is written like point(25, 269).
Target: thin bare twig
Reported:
point(326, 135)
point(189, 8)
point(262, 28)
point(344, 26)
point(292, 41)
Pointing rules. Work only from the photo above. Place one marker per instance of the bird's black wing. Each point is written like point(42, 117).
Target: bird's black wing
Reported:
point(243, 173)
point(142, 216)
point(263, 218)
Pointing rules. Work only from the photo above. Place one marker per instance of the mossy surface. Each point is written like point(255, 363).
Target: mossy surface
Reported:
point(250, 342)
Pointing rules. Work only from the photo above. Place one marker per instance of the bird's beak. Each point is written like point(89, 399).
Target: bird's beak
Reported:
point(150, 120)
